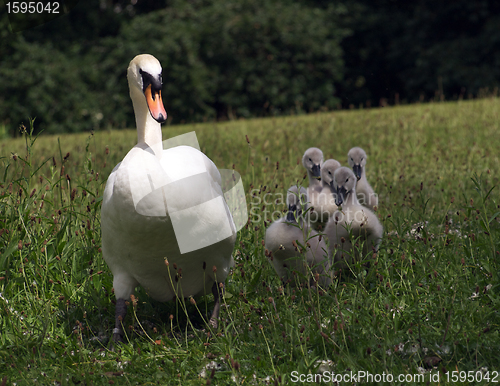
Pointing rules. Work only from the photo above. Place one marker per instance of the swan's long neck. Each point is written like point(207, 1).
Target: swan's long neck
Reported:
point(363, 174)
point(313, 181)
point(326, 185)
point(148, 130)
point(352, 199)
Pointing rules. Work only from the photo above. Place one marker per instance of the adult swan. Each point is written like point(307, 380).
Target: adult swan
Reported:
point(165, 223)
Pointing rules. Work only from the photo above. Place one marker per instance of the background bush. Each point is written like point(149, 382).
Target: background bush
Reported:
point(420, 49)
point(230, 59)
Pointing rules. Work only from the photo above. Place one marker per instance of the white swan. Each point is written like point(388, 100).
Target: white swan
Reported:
point(323, 204)
point(354, 230)
point(357, 161)
point(284, 237)
point(165, 224)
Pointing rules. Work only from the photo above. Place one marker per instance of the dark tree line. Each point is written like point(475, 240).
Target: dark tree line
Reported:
point(225, 59)
point(420, 48)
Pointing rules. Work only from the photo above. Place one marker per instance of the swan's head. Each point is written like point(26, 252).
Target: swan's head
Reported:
point(296, 200)
point(144, 79)
point(328, 170)
point(357, 160)
point(312, 159)
point(344, 183)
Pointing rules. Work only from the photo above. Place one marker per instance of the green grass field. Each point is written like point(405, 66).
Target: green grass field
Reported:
point(428, 302)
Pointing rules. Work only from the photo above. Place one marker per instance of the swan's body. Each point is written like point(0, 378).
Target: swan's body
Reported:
point(353, 231)
point(151, 192)
point(324, 202)
point(283, 233)
point(365, 193)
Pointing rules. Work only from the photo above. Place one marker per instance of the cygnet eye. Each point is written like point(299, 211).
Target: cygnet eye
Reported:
point(310, 160)
point(347, 179)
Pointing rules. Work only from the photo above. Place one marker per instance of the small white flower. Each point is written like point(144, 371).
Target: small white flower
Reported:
point(3, 298)
point(324, 365)
point(210, 366)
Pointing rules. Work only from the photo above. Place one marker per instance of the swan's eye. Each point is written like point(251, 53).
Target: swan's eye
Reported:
point(347, 179)
point(310, 160)
point(352, 159)
point(362, 159)
point(330, 173)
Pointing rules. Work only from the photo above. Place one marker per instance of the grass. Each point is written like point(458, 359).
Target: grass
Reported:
point(429, 299)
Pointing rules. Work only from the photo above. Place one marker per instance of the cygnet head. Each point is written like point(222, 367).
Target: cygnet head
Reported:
point(312, 159)
point(344, 184)
point(145, 81)
point(295, 201)
point(357, 161)
point(328, 170)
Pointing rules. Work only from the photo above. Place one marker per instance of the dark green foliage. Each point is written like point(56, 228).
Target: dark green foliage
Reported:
point(231, 59)
point(221, 60)
point(272, 57)
point(427, 48)
point(52, 88)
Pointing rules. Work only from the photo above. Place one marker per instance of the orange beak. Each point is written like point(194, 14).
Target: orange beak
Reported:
point(155, 105)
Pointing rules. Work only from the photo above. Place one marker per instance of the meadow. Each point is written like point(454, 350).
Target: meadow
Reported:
point(427, 303)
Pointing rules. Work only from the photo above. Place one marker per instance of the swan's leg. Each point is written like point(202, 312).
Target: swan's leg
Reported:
point(120, 313)
point(217, 291)
point(123, 285)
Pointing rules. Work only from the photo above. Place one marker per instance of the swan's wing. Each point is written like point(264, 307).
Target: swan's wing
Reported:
point(195, 199)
